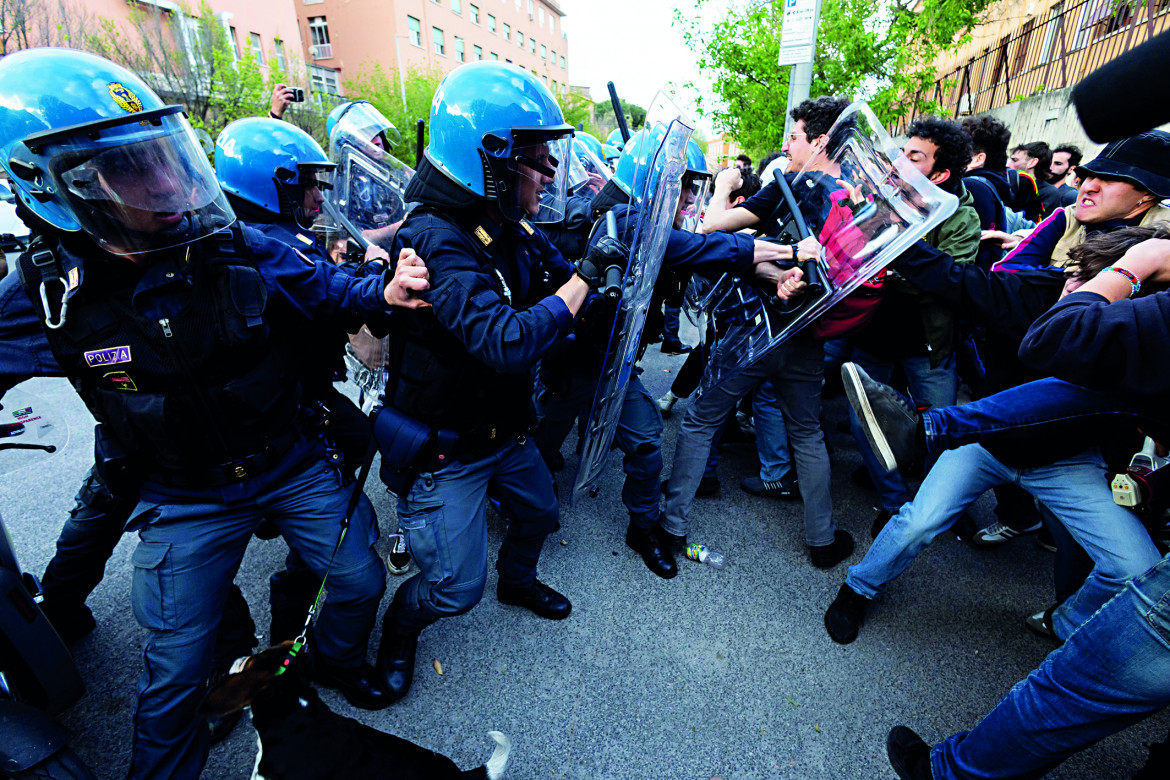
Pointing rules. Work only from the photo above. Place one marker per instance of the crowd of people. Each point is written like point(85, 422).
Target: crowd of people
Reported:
point(203, 315)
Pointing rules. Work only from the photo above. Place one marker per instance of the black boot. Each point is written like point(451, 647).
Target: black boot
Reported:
point(396, 657)
point(843, 617)
point(829, 555)
point(360, 685)
point(654, 549)
point(537, 597)
point(909, 755)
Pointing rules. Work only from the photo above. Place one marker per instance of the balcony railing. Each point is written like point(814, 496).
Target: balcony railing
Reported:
point(321, 51)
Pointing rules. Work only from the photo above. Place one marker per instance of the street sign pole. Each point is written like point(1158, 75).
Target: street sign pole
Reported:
point(798, 42)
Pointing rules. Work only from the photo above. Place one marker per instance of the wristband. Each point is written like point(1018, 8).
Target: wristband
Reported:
point(1130, 276)
point(274, 116)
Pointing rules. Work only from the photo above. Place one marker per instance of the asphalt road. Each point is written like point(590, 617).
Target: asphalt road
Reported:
point(725, 674)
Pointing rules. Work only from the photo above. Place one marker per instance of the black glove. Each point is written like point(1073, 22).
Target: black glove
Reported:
point(604, 266)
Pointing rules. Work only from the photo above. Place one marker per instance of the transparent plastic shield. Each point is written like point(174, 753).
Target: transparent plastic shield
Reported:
point(368, 192)
point(366, 360)
point(650, 225)
point(29, 433)
point(866, 204)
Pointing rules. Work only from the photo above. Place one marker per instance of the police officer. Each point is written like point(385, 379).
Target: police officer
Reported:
point(168, 320)
point(501, 298)
point(375, 205)
point(569, 379)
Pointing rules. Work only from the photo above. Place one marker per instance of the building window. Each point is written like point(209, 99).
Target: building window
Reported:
point(478, 52)
point(562, 62)
point(508, 61)
point(495, 56)
point(415, 28)
point(475, 14)
point(507, 31)
point(320, 48)
point(457, 7)
point(459, 57)
point(314, 2)
point(552, 22)
point(257, 49)
point(554, 86)
point(281, 62)
point(324, 80)
point(531, 10)
point(520, 39)
point(532, 45)
point(437, 37)
point(539, 15)
point(234, 40)
point(543, 52)
point(491, 23)
point(1046, 50)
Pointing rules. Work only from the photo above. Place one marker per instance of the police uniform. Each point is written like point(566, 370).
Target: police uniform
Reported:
point(185, 361)
point(466, 366)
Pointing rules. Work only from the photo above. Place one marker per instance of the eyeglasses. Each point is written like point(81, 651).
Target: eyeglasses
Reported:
point(795, 135)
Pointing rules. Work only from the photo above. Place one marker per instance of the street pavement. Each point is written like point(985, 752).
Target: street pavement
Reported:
point(715, 674)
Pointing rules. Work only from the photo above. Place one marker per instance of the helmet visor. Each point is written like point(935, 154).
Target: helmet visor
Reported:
point(692, 200)
point(540, 168)
point(597, 171)
point(364, 127)
point(141, 187)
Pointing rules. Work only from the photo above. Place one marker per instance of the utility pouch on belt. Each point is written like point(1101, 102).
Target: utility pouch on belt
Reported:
point(404, 444)
point(114, 465)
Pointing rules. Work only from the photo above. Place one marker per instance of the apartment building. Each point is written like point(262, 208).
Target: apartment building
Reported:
point(343, 38)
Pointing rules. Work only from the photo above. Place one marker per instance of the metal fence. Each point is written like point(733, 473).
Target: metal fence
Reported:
point(1069, 43)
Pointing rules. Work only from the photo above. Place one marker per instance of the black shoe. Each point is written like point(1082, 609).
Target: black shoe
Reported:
point(844, 616)
point(655, 550)
point(72, 624)
point(965, 528)
point(671, 347)
point(360, 685)
point(829, 555)
point(708, 486)
point(909, 755)
point(889, 419)
point(220, 727)
point(537, 597)
point(879, 522)
point(396, 659)
point(779, 488)
point(860, 478)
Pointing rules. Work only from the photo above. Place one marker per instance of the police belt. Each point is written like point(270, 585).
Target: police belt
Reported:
point(483, 440)
point(233, 471)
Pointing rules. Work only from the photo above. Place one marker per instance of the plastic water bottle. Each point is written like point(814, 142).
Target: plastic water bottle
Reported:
point(700, 553)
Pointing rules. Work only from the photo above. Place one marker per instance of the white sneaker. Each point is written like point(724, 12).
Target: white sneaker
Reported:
point(667, 402)
point(398, 559)
point(998, 533)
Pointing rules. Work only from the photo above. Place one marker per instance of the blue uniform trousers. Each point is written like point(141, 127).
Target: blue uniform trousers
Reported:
point(444, 518)
point(639, 437)
point(188, 555)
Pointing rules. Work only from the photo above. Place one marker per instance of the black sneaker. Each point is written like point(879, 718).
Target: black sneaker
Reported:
point(829, 555)
point(889, 419)
point(784, 487)
point(671, 347)
point(909, 755)
point(844, 616)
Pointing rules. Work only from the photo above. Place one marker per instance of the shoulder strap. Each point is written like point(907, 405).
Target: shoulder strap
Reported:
point(42, 275)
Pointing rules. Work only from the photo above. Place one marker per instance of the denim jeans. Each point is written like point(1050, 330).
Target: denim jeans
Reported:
point(1040, 421)
point(187, 555)
point(795, 369)
point(771, 434)
point(444, 518)
point(1074, 489)
point(1111, 673)
point(929, 386)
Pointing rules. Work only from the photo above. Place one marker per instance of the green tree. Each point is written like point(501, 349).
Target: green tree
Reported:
point(877, 51)
point(383, 89)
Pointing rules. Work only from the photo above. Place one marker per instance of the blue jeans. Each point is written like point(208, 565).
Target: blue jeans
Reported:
point(1040, 421)
point(1111, 673)
point(795, 369)
point(1074, 489)
point(771, 435)
point(928, 387)
point(638, 436)
point(185, 561)
point(444, 518)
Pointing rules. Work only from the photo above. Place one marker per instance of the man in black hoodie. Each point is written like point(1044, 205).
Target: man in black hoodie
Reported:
point(989, 140)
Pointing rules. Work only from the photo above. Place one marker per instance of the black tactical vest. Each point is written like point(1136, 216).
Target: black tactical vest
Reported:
point(203, 387)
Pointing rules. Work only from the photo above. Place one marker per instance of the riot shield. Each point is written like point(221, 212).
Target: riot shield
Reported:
point(29, 430)
point(865, 203)
point(646, 234)
point(370, 193)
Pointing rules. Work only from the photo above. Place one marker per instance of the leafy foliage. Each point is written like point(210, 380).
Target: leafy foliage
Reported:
point(383, 89)
point(877, 50)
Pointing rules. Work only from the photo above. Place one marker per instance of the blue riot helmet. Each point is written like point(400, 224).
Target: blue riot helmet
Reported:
point(270, 164)
point(695, 183)
point(90, 148)
point(590, 142)
point(359, 124)
point(611, 155)
point(633, 168)
point(617, 140)
point(498, 133)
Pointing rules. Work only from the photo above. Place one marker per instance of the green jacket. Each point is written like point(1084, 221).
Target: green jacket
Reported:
point(957, 236)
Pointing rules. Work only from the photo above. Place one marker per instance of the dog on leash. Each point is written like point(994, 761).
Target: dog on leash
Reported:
point(302, 739)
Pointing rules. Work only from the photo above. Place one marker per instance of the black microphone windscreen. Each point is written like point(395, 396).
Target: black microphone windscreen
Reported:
point(1128, 95)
